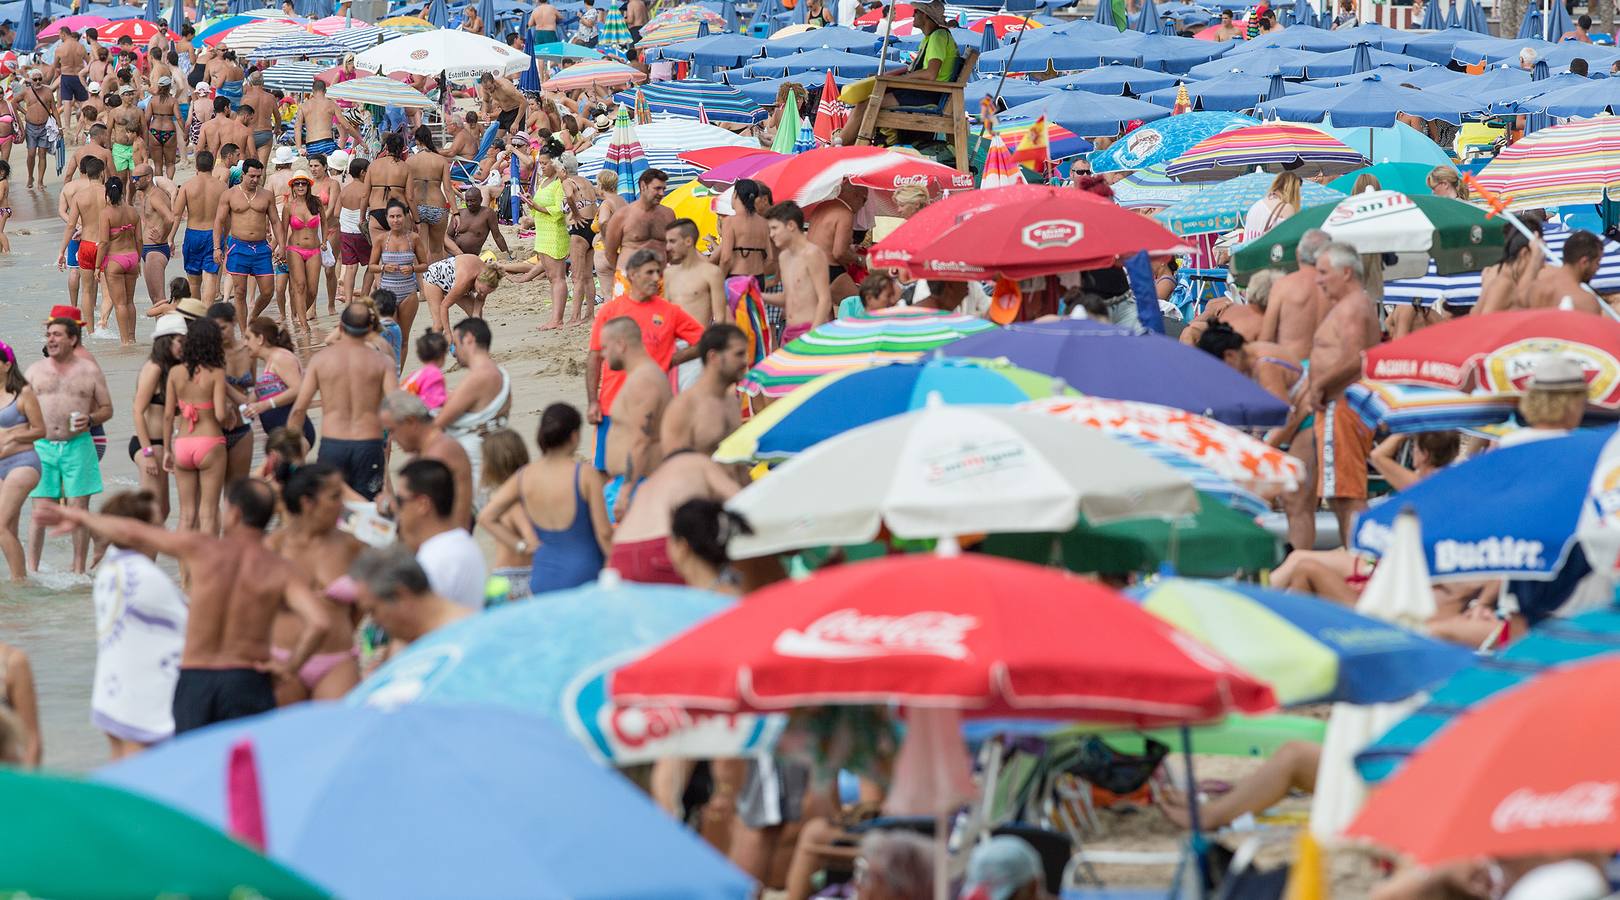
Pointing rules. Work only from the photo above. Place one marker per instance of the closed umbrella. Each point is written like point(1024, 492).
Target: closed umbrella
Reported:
point(831, 114)
point(765, 13)
point(486, 14)
point(1303, 13)
point(787, 128)
point(988, 41)
point(1107, 15)
point(625, 156)
point(1558, 21)
point(437, 14)
point(999, 169)
point(1452, 19)
point(614, 36)
point(154, 13)
point(177, 16)
point(1147, 20)
point(26, 40)
point(1532, 25)
point(530, 80)
point(1473, 17)
point(1433, 18)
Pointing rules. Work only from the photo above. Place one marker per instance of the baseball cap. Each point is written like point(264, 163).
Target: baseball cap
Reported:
point(1568, 880)
point(94, 87)
point(338, 160)
point(1556, 372)
point(126, 89)
point(164, 81)
point(999, 867)
point(169, 324)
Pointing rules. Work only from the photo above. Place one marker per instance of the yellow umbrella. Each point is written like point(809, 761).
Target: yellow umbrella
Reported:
point(407, 23)
point(791, 30)
point(696, 202)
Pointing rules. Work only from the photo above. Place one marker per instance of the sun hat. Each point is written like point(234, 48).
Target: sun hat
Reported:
point(284, 156)
point(999, 867)
point(300, 174)
point(338, 160)
point(94, 87)
point(192, 308)
point(202, 88)
point(933, 9)
point(169, 324)
point(1556, 372)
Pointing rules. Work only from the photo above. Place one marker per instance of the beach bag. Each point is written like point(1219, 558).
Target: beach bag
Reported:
point(1114, 771)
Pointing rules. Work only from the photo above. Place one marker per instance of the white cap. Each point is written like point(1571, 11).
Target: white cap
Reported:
point(95, 87)
point(284, 156)
point(338, 160)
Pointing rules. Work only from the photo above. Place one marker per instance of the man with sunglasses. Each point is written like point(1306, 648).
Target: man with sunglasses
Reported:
point(38, 107)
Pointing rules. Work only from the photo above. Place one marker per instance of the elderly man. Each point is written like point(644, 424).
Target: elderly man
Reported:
point(408, 421)
point(895, 865)
point(392, 588)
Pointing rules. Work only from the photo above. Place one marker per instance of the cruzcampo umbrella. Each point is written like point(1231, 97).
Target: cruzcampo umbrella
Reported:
point(1456, 235)
point(65, 837)
point(1158, 143)
point(1308, 649)
point(837, 402)
point(1223, 206)
point(901, 334)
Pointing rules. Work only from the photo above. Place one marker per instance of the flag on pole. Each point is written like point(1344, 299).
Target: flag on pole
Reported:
point(831, 114)
point(1033, 150)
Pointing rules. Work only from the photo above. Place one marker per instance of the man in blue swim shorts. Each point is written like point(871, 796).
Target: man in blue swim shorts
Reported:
point(248, 239)
point(73, 397)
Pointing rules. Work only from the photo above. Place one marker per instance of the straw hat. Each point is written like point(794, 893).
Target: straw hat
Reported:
point(192, 308)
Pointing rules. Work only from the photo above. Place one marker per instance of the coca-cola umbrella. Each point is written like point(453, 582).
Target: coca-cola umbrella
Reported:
point(819, 174)
point(1022, 231)
point(1530, 772)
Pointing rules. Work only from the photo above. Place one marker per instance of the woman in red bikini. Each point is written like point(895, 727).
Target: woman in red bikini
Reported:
point(305, 220)
point(195, 455)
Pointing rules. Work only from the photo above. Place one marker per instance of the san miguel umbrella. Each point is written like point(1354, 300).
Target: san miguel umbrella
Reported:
point(1574, 163)
point(1457, 236)
point(332, 775)
point(66, 837)
point(1493, 784)
point(1159, 143)
point(1223, 207)
point(901, 334)
point(1272, 147)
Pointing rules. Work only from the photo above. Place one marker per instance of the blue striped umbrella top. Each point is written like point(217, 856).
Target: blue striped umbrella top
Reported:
point(836, 61)
point(1222, 207)
point(714, 50)
point(297, 46)
point(721, 102)
point(296, 77)
point(1462, 289)
point(362, 37)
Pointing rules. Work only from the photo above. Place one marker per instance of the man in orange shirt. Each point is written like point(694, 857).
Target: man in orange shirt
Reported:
point(661, 323)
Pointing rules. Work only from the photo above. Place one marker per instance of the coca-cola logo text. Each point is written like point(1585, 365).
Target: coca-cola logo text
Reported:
point(851, 634)
point(1587, 803)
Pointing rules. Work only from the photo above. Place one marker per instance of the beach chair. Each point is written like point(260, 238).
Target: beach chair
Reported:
point(464, 170)
point(947, 115)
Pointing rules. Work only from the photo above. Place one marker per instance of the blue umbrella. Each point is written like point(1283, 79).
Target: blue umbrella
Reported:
point(490, 659)
point(1532, 25)
point(1452, 19)
point(1105, 15)
point(1381, 36)
point(1147, 20)
point(801, 14)
point(1262, 62)
point(1013, 92)
point(1086, 115)
point(1114, 79)
point(153, 13)
point(1276, 87)
point(26, 40)
point(437, 14)
point(728, 12)
point(1433, 18)
point(1174, 54)
point(1537, 121)
point(1223, 206)
point(1081, 28)
point(1159, 143)
point(988, 40)
point(1303, 13)
point(765, 13)
point(1508, 513)
point(728, 50)
point(1362, 61)
point(835, 38)
point(764, 90)
point(1230, 93)
point(1558, 21)
point(1360, 58)
point(1437, 46)
point(1296, 37)
point(529, 80)
point(1494, 50)
point(1369, 103)
point(486, 12)
point(372, 803)
point(1586, 98)
point(1097, 358)
point(836, 61)
point(1037, 52)
point(177, 16)
point(1555, 642)
point(1442, 77)
point(1397, 143)
point(1473, 17)
point(721, 102)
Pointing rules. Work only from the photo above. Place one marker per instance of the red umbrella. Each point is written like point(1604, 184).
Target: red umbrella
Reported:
point(902, 12)
point(988, 636)
point(135, 29)
point(831, 114)
point(1529, 772)
point(711, 157)
point(1021, 231)
point(819, 174)
point(1003, 24)
point(1498, 352)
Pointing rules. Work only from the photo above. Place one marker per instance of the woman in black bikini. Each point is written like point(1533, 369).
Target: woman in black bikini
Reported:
point(580, 202)
point(146, 445)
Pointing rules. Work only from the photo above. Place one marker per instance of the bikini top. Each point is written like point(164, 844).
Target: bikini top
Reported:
point(119, 229)
point(298, 223)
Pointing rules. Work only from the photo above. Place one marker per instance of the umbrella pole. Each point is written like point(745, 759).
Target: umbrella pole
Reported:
point(1196, 840)
point(1011, 55)
point(888, 35)
point(942, 856)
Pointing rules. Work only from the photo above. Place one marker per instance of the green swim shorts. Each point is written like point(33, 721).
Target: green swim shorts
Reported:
point(123, 157)
point(67, 468)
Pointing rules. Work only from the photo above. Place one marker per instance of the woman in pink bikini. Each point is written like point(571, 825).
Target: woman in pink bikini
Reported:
point(121, 260)
point(195, 455)
point(305, 221)
point(312, 505)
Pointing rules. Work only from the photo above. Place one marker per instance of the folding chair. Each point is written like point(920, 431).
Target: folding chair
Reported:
point(946, 116)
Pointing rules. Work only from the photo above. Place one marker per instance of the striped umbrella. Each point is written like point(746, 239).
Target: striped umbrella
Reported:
point(1273, 147)
point(831, 114)
point(670, 33)
point(1407, 409)
point(901, 334)
point(362, 38)
point(1223, 206)
point(614, 36)
point(1463, 289)
point(214, 27)
point(380, 91)
point(333, 24)
point(687, 12)
point(254, 12)
point(787, 128)
point(640, 113)
point(292, 77)
point(1150, 188)
point(406, 24)
point(592, 73)
point(807, 137)
point(625, 155)
point(257, 34)
point(1574, 163)
point(299, 46)
point(720, 102)
point(999, 168)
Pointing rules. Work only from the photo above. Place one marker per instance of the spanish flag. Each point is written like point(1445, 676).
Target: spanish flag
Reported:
point(1033, 149)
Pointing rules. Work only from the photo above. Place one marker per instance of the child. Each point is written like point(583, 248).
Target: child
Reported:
point(428, 381)
point(179, 289)
point(5, 204)
point(387, 303)
point(504, 455)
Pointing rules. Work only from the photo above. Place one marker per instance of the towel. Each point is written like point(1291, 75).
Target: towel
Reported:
point(140, 631)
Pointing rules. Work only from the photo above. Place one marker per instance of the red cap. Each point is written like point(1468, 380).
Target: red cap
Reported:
point(63, 311)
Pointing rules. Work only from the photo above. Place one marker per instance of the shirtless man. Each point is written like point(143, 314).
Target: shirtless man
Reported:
point(97, 145)
point(635, 18)
point(638, 412)
point(248, 239)
point(543, 23)
point(1348, 330)
point(73, 398)
point(832, 228)
point(156, 209)
point(500, 100)
point(71, 61)
point(37, 106)
point(262, 121)
point(237, 585)
point(465, 136)
point(472, 227)
point(1295, 306)
point(222, 129)
point(351, 379)
point(198, 199)
point(163, 127)
point(128, 124)
point(1583, 254)
point(640, 225)
point(705, 411)
point(386, 179)
point(694, 284)
point(408, 421)
point(429, 192)
point(82, 201)
point(638, 543)
point(806, 294)
point(317, 118)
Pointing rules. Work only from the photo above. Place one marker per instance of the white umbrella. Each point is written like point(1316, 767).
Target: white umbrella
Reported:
point(944, 471)
point(459, 54)
point(1398, 592)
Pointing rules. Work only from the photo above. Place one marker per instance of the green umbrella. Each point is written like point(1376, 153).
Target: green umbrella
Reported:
point(67, 838)
point(1457, 235)
point(1406, 177)
point(1217, 540)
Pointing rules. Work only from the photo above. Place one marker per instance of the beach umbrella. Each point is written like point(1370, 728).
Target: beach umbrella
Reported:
point(1295, 37)
point(459, 54)
point(1381, 36)
point(437, 14)
point(1558, 22)
point(177, 16)
point(1433, 18)
point(298, 46)
point(835, 38)
point(1408, 178)
point(1101, 360)
point(1493, 784)
point(814, 175)
point(662, 144)
point(614, 36)
point(733, 23)
point(1574, 163)
point(980, 639)
point(1355, 60)
point(1106, 14)
point(839, 62)
point(999, 170)
point(1115, 79)
point(74, 838)
point(787, 128)
point(1399, 143)
point(1452, 19)
point(1051, 50)
point(765, 13)
point(331, 775)
point(1018, 232)
point(988, 41)
point(360, 38)
point(1274, 148)
point(1230, 92)
point(1084, 114)
point(1518, 98)
point(1473, 17)
point(901, 335)
point(1175, 54)
point(1223, 207)
point(1263, 63)
point(837, 402)
point(255, 34)
point(831, 114)
point(1308, 649)
point(215, 27)
point(1456, 235)
point(153, 13)
point(1303, 13)
point(592, 73)
point(1405, 409)
point(625, 155)
point(1532, 25)
point(674, 32)
point(136, 30)
point(695, 201)
point(1150, 188)
point(1004, 24)
point(728, 173)
point(292, 77)
point(722, 102)
point(1372, 102)
point(379, 91)
point(1158, 143)
point(1147, 20)
point(728, 50)
point(529, 80)
point(1463, 289)
point(709, 158)
point(487, 14)
point(1476, 50)
point(1008, 92)
point(1590, 98)
point(25, 41)
point(489, 659)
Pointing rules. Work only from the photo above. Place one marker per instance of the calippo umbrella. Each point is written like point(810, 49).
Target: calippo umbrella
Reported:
point(1223, 206)
point(71, 838)
point(379, 91)
point(1272, 147)
point(901, 334)
point(1457, 236)
point(1158, 143)
point(999, 170)
point(1018, 232)
point(818, 175)
point(1496, 353)
point(1494, 785)
point(331, 775)
point(710, 158)
point(986, 636)
point(1509, 513)
point(592, 73)
point(831, 114)
point(1406, 409)
point(835, 403)
point(1104, 361)
point(490, 659)
point(953, 470)
point(1574, 163)
point(1308, 649)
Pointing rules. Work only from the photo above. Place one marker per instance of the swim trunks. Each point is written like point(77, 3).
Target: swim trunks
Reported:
point(508, 118)
point(1342, 444)
point(36, 137)
point(123, 157)
point(322, 147)
point(248, 257)
point(793, 331)
point(361, 463)
point(67, 468)
point(262, 138)
point(611, 492)
point(87, 254)
point(72, 88)
point(600, 459)
point(205, 696)
point(354, 249)
point(430, 215)
point(164, 249)
point(645, 562)
point(198, 251)
point(73, 254)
